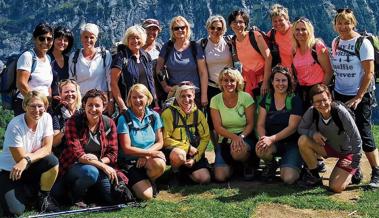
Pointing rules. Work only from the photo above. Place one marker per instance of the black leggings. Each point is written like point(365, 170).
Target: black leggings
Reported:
point(14, 195)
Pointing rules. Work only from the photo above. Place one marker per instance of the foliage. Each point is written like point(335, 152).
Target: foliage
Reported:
point(5, 117)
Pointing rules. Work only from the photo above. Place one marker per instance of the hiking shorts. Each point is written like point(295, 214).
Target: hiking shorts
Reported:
point(133, 173)
point(330, 152)
point(220, 159)
point(289, 153)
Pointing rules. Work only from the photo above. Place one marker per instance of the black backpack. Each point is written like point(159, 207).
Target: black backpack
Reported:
point(103, 53)
point(229, 41)
point(335, 117)
point(8, 89)
point(129, 122)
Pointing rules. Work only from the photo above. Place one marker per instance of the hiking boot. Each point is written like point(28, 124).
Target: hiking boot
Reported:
point(309, 181)
point(269, 172)
point(248, 173)
point(357, 177)
point(321, 167)
point(374, 182)
point(46, 203)
point(81, 204)
point(155, 188)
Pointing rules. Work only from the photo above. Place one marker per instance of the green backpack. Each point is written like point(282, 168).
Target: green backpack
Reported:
point(288, 103)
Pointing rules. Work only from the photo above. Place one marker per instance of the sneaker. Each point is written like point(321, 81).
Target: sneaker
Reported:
point(321, 166)
point(357, 177)
point(81, 204)
point(309, 181)
point(46, 203)
point(248, 173)
point(269, 172)
point(374, 182)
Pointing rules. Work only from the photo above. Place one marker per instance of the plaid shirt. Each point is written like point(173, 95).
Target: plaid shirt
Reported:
point(77, 135)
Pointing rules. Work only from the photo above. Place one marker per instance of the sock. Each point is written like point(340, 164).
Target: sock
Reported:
point(315, 173)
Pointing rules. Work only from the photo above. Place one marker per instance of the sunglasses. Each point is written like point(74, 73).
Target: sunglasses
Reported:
point(179, 28)
point(45, 38)
point(280, 69)
point(304, 19)
point(185, 83)
point(215, 28)
point(346, 10)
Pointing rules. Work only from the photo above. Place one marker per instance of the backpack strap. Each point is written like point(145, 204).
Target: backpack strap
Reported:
point(253, 40)
point(75, 61)
point(268, 102)
point(289, 100)
point(169, 48)
point(272, 35)
point(34, 62)
point(314, 54)
point(129, 122)
point(175, 117)
point(107, 124)
point(193, 50)
point(316, 117)
point(103, 53)
point(203, 43)
point(358, 45)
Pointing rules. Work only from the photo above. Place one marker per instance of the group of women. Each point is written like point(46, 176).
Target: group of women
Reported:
point(250, 115)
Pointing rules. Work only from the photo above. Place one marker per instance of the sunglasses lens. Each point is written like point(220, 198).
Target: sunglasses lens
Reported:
point(43, 38)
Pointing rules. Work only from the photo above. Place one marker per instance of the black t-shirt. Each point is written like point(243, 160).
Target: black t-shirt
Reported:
point(142, 75)
point(58, 73)
point(277, 120)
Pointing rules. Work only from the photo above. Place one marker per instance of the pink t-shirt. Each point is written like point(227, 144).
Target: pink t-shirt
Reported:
point(284, 42)
point(309, 72)
point(252, 63)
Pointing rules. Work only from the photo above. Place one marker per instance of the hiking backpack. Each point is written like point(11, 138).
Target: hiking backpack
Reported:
point(288, 102)
point(103, 53)
point(335, 117)
point(8, 88)
point(374, 40)
point(129, 122)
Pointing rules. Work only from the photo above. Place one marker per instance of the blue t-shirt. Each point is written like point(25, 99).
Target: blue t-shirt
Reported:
point(142, 133)
point(181, 65)
point(277, 120)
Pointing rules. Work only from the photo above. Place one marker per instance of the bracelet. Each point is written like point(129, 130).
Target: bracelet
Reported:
point(28, 160)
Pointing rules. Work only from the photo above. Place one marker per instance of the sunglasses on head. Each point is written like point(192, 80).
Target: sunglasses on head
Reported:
point(304, 19)
point(215, 28)
point(280, 69)
point(185, 83)
point(45, 38)
point(346, 10)
point(179, 28)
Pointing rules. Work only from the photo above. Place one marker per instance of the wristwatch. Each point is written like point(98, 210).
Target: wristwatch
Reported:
point(242, 136)
point(28, 160)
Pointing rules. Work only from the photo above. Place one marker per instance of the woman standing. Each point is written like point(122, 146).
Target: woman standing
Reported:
point(233, 119)
point(279, 115)
point(131, 65)
point(256, 64)
point(140, 136)
point(63, 42)
point(90, 65)
point(354, 82)
point(26, 160)
point(89, 158)
point(36, 62)
point(311, 60)
point(184, 60)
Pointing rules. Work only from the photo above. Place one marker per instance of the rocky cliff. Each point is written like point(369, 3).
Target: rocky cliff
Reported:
point(18, 18)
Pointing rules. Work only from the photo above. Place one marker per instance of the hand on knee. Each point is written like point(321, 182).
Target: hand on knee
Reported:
point(177, 158)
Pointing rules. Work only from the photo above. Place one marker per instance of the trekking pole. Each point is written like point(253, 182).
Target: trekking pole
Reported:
point(85, 210)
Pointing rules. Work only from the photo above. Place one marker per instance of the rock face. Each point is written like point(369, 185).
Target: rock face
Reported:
point(18, 18)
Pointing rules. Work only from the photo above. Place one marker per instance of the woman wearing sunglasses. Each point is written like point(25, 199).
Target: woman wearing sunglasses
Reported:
point(140, 136)
point(186, 137)
point(280, 112)
point(69, 104)
point(328, 129)
point(233, 120)
point(256, 62)
point(62, 44)
point(26, 162)
point(184, 60)
point(354, 83)
point(36, 62)
point(311, 59)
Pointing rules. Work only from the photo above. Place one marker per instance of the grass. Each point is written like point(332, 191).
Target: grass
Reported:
point(241, 200)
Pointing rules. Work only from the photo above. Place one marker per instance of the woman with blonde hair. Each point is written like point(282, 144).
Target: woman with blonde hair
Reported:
point(232, 113)
point(140, 141)
point(131, 65)
point(311, 59)
point(183, 60)
point(26, 159)
point(353, 63)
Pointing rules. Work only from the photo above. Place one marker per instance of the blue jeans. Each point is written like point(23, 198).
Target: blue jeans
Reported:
point(81, 177)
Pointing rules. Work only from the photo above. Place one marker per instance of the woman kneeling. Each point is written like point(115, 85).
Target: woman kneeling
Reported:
point(140, 136)
point(328, 129)
point(186, 136)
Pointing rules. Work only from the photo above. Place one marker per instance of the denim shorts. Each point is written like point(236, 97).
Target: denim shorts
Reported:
point(289, 153)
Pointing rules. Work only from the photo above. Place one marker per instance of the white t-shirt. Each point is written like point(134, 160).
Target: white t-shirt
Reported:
point(348, 68)
point(217, 57)
point(18, 134)
point(91, 74)
point(42, 76)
